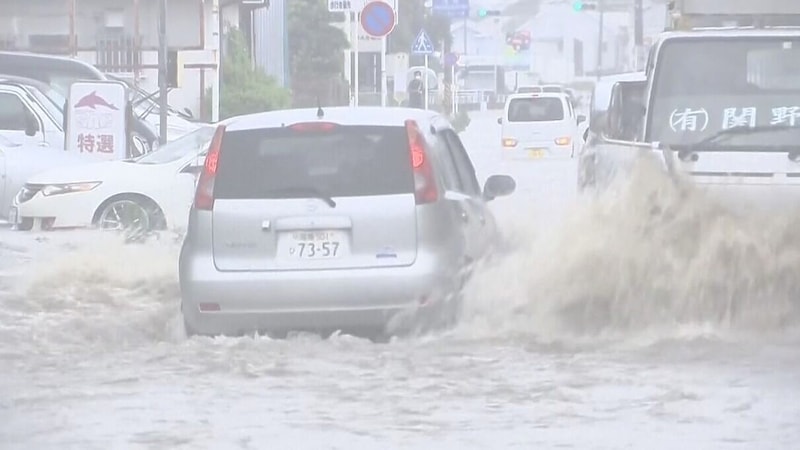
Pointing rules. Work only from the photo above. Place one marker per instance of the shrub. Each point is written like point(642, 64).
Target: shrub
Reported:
point(245, 90)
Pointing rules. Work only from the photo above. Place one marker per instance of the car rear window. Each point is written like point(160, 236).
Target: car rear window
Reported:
point(282, 163)
point(535, 109)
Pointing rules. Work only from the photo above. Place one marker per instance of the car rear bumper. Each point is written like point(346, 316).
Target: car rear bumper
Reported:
point(231, 303)
point(537, 152)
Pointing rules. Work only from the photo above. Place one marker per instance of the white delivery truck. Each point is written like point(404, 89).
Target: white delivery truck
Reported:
point(720, 104)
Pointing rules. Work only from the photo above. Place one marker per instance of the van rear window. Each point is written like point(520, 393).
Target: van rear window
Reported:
point(536, 109)
point(283, 163)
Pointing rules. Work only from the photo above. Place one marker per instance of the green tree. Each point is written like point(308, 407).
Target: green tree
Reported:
point(315, 46)
point(245, 90)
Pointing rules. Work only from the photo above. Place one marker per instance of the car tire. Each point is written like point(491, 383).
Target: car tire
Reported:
point(188, 329)
point(134, 215)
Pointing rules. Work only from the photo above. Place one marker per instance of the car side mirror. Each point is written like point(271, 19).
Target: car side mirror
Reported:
point(188, 112)
point(499, 120)
point(193, 169)
point(31, 125)
point(581, 119)
point(498, 186)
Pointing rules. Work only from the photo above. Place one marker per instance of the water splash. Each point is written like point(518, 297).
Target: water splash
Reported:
point(649, 256)
point(96, 292)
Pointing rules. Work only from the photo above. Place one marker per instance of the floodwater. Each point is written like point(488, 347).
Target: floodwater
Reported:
point(608, 325)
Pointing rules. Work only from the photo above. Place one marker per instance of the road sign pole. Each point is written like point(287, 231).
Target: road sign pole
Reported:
point(162, 72)
point(356, 31)
point(426, 81)
point(348, 65)
point(454, 97)
point(378, 19)
point(384, 94)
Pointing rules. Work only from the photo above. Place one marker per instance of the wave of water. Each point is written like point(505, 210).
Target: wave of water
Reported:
point(650, 257)
point(95, 292)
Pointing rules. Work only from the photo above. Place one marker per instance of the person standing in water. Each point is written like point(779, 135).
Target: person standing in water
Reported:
point(416, 88)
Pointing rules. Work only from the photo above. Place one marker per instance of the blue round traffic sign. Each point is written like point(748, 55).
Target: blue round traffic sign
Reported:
point(377, 18)
point(450, 59)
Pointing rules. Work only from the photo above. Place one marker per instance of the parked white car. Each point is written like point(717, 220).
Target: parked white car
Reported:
point(31, 112)
point(146, 107)
point(154, 191)
point(18, 162)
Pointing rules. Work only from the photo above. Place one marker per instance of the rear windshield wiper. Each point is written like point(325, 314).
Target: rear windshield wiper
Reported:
point(306, 191)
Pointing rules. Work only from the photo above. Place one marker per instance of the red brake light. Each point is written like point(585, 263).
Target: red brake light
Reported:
point(204, 195)
point(425, 190)
point(313, 126)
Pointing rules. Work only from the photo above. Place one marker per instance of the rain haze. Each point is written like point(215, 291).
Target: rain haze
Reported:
point(395, 224)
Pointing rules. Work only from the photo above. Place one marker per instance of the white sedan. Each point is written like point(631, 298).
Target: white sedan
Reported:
point(151, 192)
point(18, 162)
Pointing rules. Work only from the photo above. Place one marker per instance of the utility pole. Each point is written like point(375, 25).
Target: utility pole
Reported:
point(162, 73)
point(600, 39)
point(638, 32)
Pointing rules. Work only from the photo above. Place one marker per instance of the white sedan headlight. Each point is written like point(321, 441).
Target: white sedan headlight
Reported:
point(66, 188)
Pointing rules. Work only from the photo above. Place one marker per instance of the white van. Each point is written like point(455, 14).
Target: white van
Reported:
point(536, 126)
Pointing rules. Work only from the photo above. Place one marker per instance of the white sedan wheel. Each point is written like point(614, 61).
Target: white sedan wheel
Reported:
point(128, 216)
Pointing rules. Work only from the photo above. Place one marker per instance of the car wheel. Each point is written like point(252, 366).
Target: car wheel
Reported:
point(188, 329)
point(586, 175)
point(134, 216)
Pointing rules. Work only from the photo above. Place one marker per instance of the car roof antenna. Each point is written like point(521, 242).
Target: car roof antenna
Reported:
point(320, 112)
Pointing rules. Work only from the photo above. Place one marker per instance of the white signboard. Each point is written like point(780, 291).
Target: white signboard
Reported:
point(356, 5)
point(340, 5)
point(96, 125)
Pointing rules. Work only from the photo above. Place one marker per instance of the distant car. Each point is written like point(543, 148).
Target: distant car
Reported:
point(601, 98)
point(20, 161)
point(341, 219)
point(529, 90)
point(553, 88)
point(151, 192)
point(31, 112)
point(540, 89)
point(539, 126)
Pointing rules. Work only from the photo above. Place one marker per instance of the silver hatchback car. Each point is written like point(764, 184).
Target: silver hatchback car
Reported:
point(334, 219)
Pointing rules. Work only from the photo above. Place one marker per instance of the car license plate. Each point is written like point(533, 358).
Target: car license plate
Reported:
point(13, 216)
point(536, 153)
point(307, 245)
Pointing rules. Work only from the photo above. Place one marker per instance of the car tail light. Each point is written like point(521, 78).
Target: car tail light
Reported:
point(425, 190)
point(509, 142)
point(204, 195)
point(313, 126)
point(564, 140)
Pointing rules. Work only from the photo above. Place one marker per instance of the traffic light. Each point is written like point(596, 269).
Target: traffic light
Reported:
point(580, 5)
point(483, 12)
point(519, 40)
